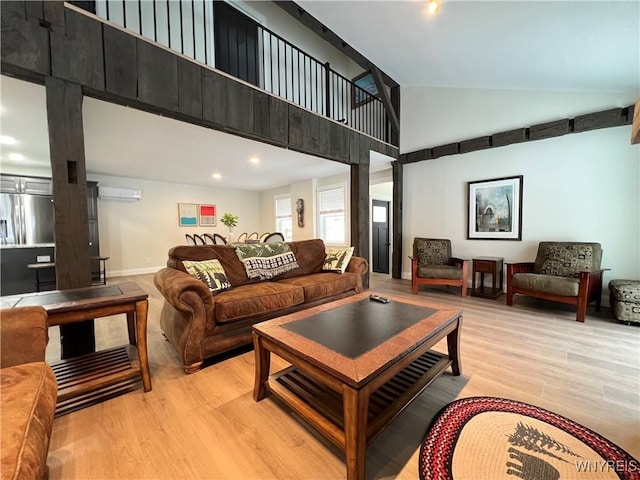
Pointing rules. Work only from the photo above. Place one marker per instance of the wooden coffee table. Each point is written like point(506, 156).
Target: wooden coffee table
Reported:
point(355, 365)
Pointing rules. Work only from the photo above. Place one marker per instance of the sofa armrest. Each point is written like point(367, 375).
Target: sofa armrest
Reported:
point(359, 266)
point(175, 285)
point(24, 334)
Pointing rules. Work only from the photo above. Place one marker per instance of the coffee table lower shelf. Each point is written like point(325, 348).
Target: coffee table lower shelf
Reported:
point(384, 404)
point(92, 378)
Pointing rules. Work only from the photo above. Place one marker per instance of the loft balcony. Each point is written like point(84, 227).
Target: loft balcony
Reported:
point(216, 34)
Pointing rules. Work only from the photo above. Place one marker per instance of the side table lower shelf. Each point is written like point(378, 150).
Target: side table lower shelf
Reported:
point(92, 378)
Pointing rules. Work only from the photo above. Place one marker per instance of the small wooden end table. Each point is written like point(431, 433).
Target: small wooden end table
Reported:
point(88, 379)
point(492, 266)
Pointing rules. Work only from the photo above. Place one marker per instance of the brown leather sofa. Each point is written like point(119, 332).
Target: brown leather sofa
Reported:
point(200, 325)
point(28, 392)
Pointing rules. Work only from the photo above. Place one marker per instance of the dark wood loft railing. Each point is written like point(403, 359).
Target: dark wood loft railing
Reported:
point(217, 35)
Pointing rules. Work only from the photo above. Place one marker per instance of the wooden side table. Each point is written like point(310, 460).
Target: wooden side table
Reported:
point(493, 266)
point(97, 376)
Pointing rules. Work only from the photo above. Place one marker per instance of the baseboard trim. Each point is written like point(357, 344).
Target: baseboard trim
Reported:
point(132, 271)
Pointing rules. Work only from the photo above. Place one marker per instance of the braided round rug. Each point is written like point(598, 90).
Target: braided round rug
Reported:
point(488, 438)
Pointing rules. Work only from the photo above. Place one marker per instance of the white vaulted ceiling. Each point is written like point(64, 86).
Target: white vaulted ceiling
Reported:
point(563, 45)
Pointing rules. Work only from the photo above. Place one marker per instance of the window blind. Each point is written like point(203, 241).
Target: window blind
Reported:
point(331, 201)
point(283, 207)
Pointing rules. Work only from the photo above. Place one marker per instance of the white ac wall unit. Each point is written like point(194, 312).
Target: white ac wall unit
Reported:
point(122, 194)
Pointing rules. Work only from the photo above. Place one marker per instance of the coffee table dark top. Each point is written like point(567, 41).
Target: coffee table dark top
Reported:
point(353, 339)
point(355, 328)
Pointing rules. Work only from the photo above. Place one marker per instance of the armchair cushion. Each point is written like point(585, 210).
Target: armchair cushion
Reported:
point(551, 284)
point(567, 259)
point(440, 271)
point(432, 251)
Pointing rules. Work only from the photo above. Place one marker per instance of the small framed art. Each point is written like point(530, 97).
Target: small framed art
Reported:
point(187, 214)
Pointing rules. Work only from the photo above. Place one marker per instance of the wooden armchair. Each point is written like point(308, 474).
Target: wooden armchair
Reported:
point(432, 264)
point(566, 272)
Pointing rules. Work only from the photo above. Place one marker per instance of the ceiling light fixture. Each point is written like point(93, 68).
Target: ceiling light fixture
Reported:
point(6, 140)
point(433, 6)
point(217, 176)
point(16, 156)
point(254, 160)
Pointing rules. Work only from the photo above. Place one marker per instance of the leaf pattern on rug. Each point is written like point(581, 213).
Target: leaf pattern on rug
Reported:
point(532, 439)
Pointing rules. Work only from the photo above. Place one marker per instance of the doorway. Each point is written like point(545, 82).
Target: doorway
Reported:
point(380, 235)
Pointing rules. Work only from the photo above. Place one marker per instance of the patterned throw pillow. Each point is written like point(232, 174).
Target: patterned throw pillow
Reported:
point(338, 259)
point(433, 252)
point(266, 260)
point(210, 272)
point(567, 260)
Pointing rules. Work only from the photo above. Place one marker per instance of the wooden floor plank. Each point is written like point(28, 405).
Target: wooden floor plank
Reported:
point(206, 425)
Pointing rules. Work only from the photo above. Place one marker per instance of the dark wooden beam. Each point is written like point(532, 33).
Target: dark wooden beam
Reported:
point(395, 101)
point(448, 149)
point(69, 178)
point(77, 51)
point(604, 119)
point(386, 99)
point(326, 34)
point(360, 208)
point(556, 128)
point(507, 138)
point(635, 129)
point(24, 42)
point(474, 144)
point(396, 255)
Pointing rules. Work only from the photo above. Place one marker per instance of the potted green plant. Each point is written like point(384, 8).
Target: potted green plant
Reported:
point(229, 220)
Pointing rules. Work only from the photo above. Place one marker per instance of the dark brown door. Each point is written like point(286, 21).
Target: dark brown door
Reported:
point(380, 234)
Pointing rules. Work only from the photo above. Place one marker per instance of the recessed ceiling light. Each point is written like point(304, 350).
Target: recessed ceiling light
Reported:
point(16, 156)
point(6, 140)
point(433, 6)
point(254, 160)
point(216, 176)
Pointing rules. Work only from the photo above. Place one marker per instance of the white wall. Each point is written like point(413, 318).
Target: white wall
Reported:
point(279, 21)
point(138, 235)
point(305, 190)
point(267, 207)
point(579, 187)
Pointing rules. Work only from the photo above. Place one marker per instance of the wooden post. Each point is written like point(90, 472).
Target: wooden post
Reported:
point(396, 255)
point(635, 128)
point(69, 176)
point(360, 209)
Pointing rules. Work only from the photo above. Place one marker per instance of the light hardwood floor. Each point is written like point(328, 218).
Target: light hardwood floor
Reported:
point(206, 425)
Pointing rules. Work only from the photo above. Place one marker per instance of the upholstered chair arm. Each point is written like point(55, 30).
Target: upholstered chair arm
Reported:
point(591, 281)
point(359, 266)
point(459, 262)
point(24, 335)
point(522, 267)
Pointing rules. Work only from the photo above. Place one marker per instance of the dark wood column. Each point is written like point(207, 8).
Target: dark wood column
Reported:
point(360, 209)
point(69, 175)
point(396, 255)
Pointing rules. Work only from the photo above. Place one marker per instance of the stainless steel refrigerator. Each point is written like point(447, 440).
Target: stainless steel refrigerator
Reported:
point(26, 211)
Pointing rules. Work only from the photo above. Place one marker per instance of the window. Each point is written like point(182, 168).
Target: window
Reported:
point(331, 215)
point(284, 221)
